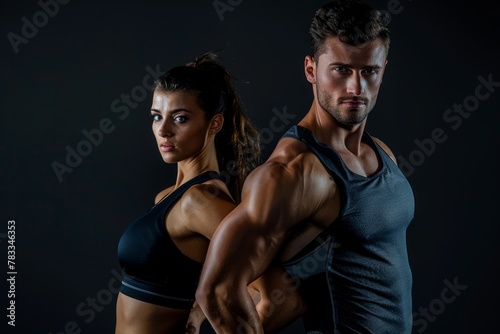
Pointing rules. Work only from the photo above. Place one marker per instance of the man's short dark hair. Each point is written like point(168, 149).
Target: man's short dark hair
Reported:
point(352, 21)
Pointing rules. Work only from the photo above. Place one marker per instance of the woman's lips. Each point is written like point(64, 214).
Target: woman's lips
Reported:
point(166, 147)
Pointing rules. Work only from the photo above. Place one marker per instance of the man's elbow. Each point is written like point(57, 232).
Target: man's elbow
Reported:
point(209, 296)
point(204, 295)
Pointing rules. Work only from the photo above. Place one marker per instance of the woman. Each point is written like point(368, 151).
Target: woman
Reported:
point(200, 125)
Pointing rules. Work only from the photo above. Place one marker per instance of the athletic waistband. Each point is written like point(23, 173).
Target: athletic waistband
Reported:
point(154, 294)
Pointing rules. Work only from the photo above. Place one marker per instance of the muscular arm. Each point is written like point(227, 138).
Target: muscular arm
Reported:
point(246, 242)
point(276, 299)
point(280, 303)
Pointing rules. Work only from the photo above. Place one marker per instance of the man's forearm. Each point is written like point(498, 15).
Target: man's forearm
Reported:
point(231, 314)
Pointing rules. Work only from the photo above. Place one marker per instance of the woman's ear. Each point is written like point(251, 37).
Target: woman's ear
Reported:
point(216, 124)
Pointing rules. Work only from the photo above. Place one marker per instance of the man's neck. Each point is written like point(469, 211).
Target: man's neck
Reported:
point(330, 132)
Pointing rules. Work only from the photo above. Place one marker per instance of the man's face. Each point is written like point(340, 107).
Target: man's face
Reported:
point(347, 78)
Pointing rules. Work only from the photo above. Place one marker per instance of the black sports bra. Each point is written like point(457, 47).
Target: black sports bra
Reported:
point(155, 270)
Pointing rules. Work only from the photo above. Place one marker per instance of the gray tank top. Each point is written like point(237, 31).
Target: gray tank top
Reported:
point(355, 276)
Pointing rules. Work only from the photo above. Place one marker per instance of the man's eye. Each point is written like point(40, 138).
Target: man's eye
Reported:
point(371, 71)
point(340, 69)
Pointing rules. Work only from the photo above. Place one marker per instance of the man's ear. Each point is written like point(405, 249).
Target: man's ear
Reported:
point(383, 70)
point(310, 69)
point(216, 124)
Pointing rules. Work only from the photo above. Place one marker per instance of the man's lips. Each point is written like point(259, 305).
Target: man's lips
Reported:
point(354, 103)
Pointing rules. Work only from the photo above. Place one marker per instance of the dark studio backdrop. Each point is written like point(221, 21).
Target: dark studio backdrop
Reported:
point(79, 161)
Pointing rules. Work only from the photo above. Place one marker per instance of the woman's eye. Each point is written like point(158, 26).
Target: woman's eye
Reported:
point(180, 118)
point(156, 117)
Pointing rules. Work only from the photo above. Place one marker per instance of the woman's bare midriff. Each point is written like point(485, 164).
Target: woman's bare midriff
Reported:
point(134, 316)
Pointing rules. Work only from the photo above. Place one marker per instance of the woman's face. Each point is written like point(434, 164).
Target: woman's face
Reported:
point(179, 125)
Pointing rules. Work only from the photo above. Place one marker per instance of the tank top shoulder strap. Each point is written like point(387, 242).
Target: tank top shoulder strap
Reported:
point(328, 157)
point(171, 198)
point(387, 161)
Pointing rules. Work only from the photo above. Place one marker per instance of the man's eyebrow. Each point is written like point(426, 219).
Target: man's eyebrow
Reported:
point(350, 66)
point(336, 63)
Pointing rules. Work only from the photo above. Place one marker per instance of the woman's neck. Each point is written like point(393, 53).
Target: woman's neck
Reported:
point(189, 168)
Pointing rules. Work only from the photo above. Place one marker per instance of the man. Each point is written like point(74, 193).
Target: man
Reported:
point(330, 203)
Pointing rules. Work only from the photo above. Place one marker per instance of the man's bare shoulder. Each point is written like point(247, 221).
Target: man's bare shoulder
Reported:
point(288, 161)
point(291, 166)
point(287, 189)
point(292, 188)
point(293, 154)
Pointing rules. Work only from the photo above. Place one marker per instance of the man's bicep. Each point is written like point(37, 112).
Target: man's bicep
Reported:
point(247, 240)
point(273, 198)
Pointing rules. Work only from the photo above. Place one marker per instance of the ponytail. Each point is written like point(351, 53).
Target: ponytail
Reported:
point(237, 143)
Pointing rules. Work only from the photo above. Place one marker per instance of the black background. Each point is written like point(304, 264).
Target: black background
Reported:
point(65, 79)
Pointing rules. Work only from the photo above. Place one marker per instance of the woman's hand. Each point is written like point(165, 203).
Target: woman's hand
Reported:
point(196, 318)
